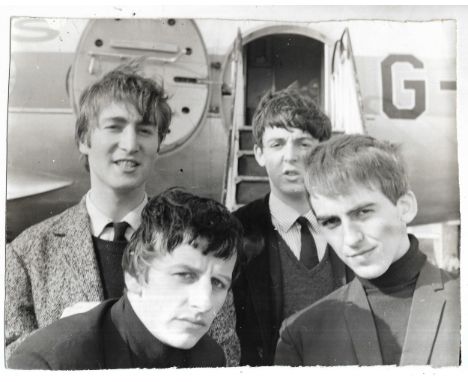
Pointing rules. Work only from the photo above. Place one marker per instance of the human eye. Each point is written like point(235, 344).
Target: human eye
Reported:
point(185, 276)
point(363, 213)
point(146, 130)
point(305, 143)
point(218, 284)
point(330, 223)
point(112, 127)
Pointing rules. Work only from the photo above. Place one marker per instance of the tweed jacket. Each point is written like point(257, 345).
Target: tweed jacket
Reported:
point(52, 265)
point(340, 329)
point(109, 336)
point(258, 292)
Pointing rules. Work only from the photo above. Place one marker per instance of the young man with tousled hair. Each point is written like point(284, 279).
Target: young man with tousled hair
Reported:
point(178, 270)
point(400, 309)
point(287, 263)
point(68, 263)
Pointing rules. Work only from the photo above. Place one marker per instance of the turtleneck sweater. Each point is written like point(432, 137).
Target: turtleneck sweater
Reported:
point(109, 336)
point(145, 350)
point(390, 296)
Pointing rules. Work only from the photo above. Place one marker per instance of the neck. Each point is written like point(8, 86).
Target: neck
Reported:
point(404, 247)
point(297, 201)
point(115, 205)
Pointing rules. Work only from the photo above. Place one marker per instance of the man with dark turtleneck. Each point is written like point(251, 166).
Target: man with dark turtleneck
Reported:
point(178, 268)
point(400, 309)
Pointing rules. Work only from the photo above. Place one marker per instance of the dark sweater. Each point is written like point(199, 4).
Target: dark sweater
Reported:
point(109, 336)
point(302, 286)
point(390, 297)
point(109, 258)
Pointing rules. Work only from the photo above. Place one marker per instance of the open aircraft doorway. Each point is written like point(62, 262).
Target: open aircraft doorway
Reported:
point(276, 61)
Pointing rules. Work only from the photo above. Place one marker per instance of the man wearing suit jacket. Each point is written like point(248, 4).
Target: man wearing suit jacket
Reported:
point(400, 309)
point(76, 256)
point(288, 264)
point(178, 269)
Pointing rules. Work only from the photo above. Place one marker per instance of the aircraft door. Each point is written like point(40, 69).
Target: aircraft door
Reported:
point(346, 105)
point(267, 59)
point(175, 56)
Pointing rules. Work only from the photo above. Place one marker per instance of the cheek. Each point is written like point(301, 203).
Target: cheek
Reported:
point(387, 229)
point(334, 238)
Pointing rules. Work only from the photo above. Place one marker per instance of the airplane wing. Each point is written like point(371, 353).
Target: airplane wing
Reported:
point(22, 183)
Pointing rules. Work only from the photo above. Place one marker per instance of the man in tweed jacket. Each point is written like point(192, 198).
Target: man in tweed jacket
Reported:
point(122, 121)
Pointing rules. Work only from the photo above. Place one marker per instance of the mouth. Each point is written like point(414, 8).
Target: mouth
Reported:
point(361, 253)
point(197, 323)
point(127, 164)
point(292, 174)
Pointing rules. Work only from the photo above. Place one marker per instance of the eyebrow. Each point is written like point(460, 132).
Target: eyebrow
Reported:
point(360, 207)
point(321, 218)
point(122, 120)
point(191, 268)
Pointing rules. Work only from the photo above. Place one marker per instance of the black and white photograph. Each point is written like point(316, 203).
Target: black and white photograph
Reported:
point(258, 191)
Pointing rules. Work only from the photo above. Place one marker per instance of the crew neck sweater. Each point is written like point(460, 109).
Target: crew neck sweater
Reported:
point(390, 296)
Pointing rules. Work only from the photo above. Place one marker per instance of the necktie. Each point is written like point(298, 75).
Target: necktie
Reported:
point(119, 231)
point(308, 255)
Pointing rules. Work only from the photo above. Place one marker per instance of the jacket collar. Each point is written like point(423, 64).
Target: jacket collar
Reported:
point(361, 326)
point(72, 232)
point(422, 327)
point(425, 315)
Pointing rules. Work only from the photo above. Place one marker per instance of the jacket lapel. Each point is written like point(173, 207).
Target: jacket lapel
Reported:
point(425, 315)
point(276, 280)
point(73, 235)
point(361, 326)
point(264, 275)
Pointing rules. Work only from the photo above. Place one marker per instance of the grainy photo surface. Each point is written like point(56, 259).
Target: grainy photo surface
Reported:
point(105, 114)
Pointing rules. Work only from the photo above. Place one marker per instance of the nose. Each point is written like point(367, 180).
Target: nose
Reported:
point(290, 152)
point(129, 139)
point(352, 235)
point(201, 296)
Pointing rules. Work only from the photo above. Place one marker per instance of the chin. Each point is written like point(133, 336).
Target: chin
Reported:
point(369, 273)
point(183, 341)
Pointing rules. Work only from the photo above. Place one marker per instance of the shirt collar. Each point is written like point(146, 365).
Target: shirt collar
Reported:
point(99, 220)
point(284, 216)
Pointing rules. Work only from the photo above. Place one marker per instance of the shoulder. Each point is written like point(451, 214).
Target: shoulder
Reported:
point(258, 209)
point(34, 235)
point(69, 343)
point(431, 273)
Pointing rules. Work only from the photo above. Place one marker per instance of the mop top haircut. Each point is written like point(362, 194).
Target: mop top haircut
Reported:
point(335, 166)
point(125, 85)
point(176, 217)
point(290, 108)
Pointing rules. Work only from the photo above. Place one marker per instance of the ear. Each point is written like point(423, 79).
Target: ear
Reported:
point(133, 285)
point(407, 207)
point(83, 147)
point(258, 151)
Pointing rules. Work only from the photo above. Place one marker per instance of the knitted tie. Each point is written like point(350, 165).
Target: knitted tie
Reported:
point(308, 255)
point(119, 231)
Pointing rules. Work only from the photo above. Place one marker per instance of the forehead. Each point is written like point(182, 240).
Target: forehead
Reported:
point(285, 133)
point(357, 195)
point(117, 109)
point(187, 255)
